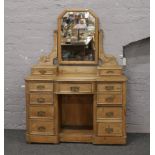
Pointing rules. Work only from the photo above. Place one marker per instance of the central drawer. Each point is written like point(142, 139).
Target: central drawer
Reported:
point(74, 87)
point(41, 126)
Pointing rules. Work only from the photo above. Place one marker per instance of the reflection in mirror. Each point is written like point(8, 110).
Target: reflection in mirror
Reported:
point(78, 36)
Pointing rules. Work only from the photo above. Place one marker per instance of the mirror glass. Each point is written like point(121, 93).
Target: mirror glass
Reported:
point(78, 36)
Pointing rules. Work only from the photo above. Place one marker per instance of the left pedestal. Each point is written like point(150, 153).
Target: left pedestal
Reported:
point(40, 112)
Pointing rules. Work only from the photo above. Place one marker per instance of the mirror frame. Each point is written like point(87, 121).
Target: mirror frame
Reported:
point(96, 37)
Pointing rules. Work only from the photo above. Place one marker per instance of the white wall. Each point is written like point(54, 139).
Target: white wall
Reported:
point(138, 85)
point(29, 26)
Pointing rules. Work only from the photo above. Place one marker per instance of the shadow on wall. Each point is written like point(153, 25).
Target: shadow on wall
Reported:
point(138, 86)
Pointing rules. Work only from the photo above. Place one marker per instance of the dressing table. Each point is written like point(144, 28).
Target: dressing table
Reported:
point(77, 93)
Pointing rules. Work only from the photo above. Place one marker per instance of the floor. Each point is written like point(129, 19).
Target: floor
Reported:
point(138, 144)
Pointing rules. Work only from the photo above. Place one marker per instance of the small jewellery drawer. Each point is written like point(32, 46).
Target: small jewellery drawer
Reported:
point(41, 111)
point(41, 126)
point(74, 87)
point(110, 98)
point(109, 129)
point(110, 72)
point(41, 86)
point(41, 98)
point(109, 112)
point(109, 87)
point(43, 71)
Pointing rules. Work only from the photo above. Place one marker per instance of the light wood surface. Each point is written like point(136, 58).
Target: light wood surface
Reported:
point(41, 98)
point(109, 112)
point(40, 86)
point(109, 87)
point(42, 127)
point(76, 101)
point(109, 98)
point(41, 111)
point(109, 129)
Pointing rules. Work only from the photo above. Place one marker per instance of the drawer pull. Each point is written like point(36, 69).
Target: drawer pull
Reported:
point(109, 130)
point(41, 128)
point(42, 72)
point(40, 100)
point(40, 87)
point(109, 114)
point(74, 89)
point(109, 87)
point(109, 99)
point(41, 113)
point(110, 72)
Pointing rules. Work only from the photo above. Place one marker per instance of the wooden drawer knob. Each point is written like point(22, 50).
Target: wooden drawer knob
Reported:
point(109, 99)
point(109, 114)
point(42, 72)
point(109, 130)
point(74, 89)
point(40, 87)
point(109, 87)
point(41, 128)
point(40, 100)
point(41, 113)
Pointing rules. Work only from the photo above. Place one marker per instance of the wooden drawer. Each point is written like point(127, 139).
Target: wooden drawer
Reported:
point(109, 87)
point(41, 86)
point(109, 129)
point(109, 112)
point(110, 98)
point(41, 98)
point(43, 71)
point(75, 88)
point(110, 72)
point(41, 126)
point(41, 111)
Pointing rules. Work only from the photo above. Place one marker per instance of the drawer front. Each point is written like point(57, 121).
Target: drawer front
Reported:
point(109, 98)
point(110, 72)
point(41, 127)
point(109, 112)
point(41, 111)
point(75, 88)
point(41, 86)
point(41, 98)
point(109, 87)
point(109, 129)
point(43, 71)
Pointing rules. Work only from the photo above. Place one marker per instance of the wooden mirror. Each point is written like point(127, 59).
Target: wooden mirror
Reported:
point(77, 37)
